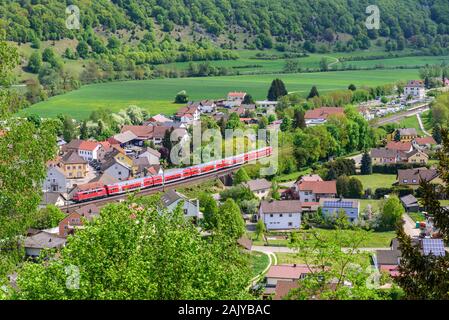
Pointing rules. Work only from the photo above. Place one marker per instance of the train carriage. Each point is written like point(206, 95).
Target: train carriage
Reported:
point(96, 190)
point(89, 191)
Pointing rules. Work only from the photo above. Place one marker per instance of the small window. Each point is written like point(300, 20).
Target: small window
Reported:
point(281, 215)
point(186, 211)
point(271, 215)
point(290, 215)
point(290, 224)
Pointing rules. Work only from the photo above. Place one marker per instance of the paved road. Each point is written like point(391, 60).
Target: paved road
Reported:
point(418, 116)
point(269, 249)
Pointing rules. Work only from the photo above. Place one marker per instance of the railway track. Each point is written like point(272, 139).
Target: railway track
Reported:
point(72, 206)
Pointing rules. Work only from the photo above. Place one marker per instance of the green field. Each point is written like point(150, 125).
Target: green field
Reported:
point(157, 95)
point(259, 261)
point(412, 122)
point(376, 180)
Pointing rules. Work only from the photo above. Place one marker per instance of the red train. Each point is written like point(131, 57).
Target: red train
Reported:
point(95, 190)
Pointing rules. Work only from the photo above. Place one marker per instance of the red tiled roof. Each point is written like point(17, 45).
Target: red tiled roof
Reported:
point(391, 269)
point(400, 146)
point(88, 145)
point(323, 113)
point(237, 94)
point(415, 83)
point(287, 271)
point(329, 187)
point(425, 140)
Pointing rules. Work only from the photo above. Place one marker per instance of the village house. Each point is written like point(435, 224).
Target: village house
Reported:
point(124, 139)
point(387, 261)
point(384, 156)
point(405, 146)
point(157, 119)
point(260, 187)
point(190, 208)
point(413, 177)
point(424, 143)
point(236, 96)
point(285, 276)
point(407, 134)
point(331, 207)
point(89, 211)
point(86, 149)
point(319, 115)
point(68, 225)
point(417, 156)
point(188, 114)
point(54, 198)
point(34, 244)
point(415, 89)
point(265, 104)
point(120, 170)
point(281, 215)
point(410, 203)
point(313, 191)
point(204, 106)
point(152, 155)
point(74, 166)
point(55, 181)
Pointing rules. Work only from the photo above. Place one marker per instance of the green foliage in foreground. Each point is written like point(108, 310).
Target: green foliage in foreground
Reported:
point(134, 251)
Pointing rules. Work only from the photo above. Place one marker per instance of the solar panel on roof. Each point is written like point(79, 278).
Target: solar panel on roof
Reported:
point(338, 204)
point(434, 247)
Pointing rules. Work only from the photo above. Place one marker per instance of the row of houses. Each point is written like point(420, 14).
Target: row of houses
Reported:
point(410, 148)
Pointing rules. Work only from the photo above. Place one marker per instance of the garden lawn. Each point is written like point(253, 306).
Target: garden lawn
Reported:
point(156, 96)
point(374, 181)
point(374, 239)
point(259, 261)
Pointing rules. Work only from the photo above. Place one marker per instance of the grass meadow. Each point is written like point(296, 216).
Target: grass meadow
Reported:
point(157, 95)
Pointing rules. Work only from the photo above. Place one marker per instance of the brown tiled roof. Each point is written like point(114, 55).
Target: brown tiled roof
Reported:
point(388, 257)
point(237, 94)
point(72, 157)
point(408, 132)
point(144, 132)
point(320, 187)
point(401, 146)
point(323, 113)
point(74, 144)
point(283, 288)
point(417, 175)
point(383, 153)
point(285, 206)
point(258, 184)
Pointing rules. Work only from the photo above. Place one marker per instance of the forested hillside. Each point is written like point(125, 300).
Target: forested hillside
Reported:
point(417, 23)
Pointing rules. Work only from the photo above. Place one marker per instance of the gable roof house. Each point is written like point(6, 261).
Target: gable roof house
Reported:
point(405, 146)
point(410, 203)
point(190, 208)
point(236, 96)
point(331, 207)
point(415, 88)
point(152, 155)
point(413, 177)
point(117, 169)
point(407, 134)
point(73, 165)
point(68, 225)
point(424, 143)
point(260, 187)
point(385, 156)
point(313, 191)
point(89, 211)
point(188, 114)
point(285, 272)
point(43, 240)
point(159, 118)
point(124, 139)
point(55, 181)
point(320, 115)
point(281, 215)
point(204, 106)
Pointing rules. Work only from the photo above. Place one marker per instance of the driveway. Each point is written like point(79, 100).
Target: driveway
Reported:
point(409, 226)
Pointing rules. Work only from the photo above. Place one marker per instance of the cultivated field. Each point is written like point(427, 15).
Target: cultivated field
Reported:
point(157, 95)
